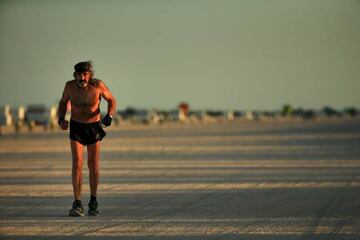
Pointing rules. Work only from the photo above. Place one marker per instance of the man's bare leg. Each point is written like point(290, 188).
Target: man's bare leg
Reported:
point(77, 150)
point(93, 151)
point(93, 164)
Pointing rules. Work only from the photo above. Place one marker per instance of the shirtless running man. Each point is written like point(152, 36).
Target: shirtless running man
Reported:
point(84, 94)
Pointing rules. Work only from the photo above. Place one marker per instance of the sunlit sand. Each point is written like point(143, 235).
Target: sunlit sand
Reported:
point(256, 180)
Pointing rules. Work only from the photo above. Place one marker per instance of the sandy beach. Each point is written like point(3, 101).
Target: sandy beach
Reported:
point(256, 180)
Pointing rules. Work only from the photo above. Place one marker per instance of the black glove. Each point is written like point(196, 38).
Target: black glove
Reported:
point(60, 121)
point(106, 121)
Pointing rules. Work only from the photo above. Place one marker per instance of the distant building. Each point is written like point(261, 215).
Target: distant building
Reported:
point(6, 118)
point(249, 115)
point(157, 116)
point(19, 115)
point(183, 112)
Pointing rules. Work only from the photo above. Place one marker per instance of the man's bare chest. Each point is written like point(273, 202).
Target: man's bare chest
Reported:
point(85, 97)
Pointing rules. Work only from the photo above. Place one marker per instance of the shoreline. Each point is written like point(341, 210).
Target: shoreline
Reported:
point(10, 130)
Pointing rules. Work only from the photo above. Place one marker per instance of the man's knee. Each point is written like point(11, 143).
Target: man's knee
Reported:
point(77, 164)
point(93, 167)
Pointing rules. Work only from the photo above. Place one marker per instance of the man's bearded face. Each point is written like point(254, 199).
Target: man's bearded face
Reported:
point(82, 79)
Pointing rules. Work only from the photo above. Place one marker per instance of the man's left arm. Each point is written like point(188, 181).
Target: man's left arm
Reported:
point(107, 95)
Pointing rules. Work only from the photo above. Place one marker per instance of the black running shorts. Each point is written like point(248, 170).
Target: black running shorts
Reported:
point(86, 133)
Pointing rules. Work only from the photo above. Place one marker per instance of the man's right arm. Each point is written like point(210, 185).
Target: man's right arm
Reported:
point(63, 106)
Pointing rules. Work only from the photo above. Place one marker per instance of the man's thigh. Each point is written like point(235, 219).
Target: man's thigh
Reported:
point(93, 151)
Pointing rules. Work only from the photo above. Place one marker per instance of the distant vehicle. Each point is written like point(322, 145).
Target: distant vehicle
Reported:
point(214, 114)
point(196, 116)
point(173, 115)
point(142, 116)
point(331, 112)
point(37, 114)
point(134, 115)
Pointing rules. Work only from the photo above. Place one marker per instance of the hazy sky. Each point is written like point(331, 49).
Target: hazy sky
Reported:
point(250, 54)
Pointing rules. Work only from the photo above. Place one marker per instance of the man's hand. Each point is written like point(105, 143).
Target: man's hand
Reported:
point(106, 121)
point(63, 124)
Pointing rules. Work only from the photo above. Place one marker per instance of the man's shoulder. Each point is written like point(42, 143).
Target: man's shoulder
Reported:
point(70, 82)
point(70, 85)
point(97, 82)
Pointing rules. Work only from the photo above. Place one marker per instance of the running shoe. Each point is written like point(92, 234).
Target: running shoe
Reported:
point(77, 209)
point(93, 204)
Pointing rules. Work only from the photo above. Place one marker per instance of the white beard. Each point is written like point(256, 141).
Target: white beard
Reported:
point(82, 84)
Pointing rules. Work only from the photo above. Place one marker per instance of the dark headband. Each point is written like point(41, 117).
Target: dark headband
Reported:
point(83, 67)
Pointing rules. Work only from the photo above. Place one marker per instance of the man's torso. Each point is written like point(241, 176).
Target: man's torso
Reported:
point(85, 103)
